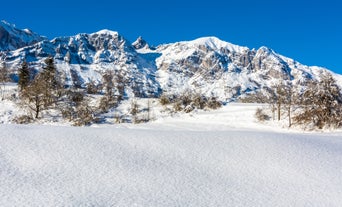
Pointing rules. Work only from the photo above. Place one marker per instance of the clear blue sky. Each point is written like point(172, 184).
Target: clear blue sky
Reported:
point(307, 31)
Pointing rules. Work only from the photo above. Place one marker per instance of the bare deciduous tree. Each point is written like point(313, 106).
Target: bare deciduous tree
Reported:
point(134, 111)
point(114, 90)
point(33, 96)
point(321, 104)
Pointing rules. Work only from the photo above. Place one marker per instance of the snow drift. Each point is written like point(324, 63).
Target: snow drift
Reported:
point(182, 161)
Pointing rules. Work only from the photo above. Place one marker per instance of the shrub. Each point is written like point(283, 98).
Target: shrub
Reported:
point(85, 116)
point(199, 101)
point(164, 100)
point(213, 103)
point(24, 119)
point(189, 108)
point(92, 88)
point(261, 116)
point(178, 106)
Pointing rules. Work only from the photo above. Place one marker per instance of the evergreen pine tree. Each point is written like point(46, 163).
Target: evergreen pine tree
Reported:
point(52, 82)
point(4, 77)
point(51, 76)
point(24, 76)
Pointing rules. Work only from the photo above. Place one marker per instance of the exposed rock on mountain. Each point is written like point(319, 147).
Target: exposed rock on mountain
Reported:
point(140, 43)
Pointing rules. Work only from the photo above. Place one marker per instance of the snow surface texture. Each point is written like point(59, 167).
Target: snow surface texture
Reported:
point(221, 158)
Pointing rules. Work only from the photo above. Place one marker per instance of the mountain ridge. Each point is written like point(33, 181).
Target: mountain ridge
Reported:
point(206, 65)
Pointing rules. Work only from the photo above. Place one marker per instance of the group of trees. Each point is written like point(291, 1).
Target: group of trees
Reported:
point(114, 86)
point(41, 91)
point(321, 104)
point(316, 105)
point(46, 90)
point(189, 101)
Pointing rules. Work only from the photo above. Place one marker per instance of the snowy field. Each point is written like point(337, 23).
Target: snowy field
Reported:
point(218, 158)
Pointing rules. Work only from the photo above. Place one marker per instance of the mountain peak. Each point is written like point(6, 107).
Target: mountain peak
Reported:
point(5, 23)
point(107, 32)
point(12, 38)
point(139, 43)
point(215, 43)
point(265, 49)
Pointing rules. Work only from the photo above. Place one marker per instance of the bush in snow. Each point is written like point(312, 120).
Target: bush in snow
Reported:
point(178, 106)
point(261, 116)
point(164, 100)
point(24, 119)
point(92, 88)
point(213, 103)
point(84, 115)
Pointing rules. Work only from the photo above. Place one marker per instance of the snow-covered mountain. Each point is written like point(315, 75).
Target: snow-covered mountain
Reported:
point(213, 67)
point(85, 57)
point(206, 65)
point(12, 38)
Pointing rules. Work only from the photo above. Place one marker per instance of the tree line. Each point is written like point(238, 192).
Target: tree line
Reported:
point(46, 90)
point(315, 103)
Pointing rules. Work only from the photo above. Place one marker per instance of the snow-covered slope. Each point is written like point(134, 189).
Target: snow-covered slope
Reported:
point(204, 161)
point(12, 38)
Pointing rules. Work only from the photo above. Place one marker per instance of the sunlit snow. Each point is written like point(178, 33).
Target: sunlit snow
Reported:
point(217, 158)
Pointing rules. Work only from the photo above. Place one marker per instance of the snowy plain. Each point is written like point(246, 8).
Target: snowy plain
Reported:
point(213, 158)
